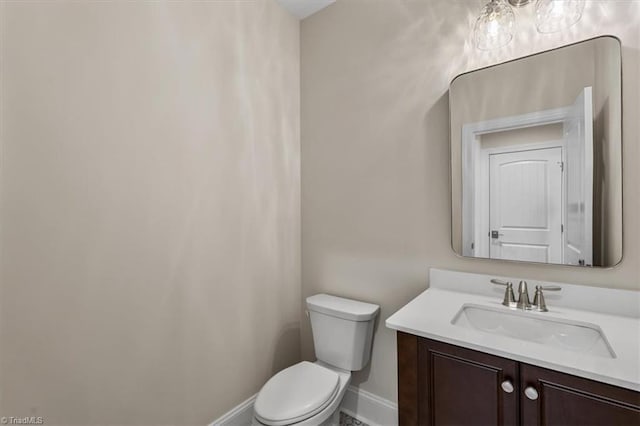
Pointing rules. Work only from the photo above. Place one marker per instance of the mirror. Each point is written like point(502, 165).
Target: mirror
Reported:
point(536, 156)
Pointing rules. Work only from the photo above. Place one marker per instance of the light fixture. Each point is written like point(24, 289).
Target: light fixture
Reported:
point(495, 26)
point(556, 15)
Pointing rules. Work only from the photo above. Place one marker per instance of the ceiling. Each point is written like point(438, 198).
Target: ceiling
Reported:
point(304, 8)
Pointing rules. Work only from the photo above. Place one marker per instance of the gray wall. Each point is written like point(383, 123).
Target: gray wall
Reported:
point(375, 151)
point(150, 208)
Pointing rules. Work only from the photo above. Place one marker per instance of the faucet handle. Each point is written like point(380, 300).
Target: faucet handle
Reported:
point(538, 300)
point(549, 288)
point(509, 298)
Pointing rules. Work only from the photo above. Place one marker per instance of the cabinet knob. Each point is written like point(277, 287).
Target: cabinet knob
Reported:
point(531, 393)
point(507, 386)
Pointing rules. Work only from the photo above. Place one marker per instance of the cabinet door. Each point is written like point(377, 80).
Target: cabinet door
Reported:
point(551, 398)
point(458, 386)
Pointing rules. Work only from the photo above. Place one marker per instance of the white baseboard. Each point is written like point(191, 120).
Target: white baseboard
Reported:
point(241, 415)
point(358, 403)
point(369, 408)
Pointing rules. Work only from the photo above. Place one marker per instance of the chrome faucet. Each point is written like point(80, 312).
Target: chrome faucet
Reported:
point(523, 296)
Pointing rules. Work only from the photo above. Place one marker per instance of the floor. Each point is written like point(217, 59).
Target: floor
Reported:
point(346, 420)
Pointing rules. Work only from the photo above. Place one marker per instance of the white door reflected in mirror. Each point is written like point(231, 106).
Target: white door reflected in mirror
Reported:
point(533, 180)
point(525, 205)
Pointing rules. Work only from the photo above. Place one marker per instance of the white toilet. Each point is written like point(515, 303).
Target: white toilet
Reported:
point(309, 394)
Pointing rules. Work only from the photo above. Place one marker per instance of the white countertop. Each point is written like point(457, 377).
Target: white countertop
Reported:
point(430, 314)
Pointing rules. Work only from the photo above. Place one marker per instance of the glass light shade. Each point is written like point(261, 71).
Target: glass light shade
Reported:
point(494, 26)
point(556, 15)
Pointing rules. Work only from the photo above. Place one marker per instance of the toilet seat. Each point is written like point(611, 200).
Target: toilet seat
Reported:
point(295, 394)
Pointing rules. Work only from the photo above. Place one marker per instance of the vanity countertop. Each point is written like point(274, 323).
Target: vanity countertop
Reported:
point(431, 313)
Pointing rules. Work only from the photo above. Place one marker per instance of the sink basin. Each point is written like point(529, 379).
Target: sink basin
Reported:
point(533, 327)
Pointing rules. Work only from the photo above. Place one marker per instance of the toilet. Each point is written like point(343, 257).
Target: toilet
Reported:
point(309, 394)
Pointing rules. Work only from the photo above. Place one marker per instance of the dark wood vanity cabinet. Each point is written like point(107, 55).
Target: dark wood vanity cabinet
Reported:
point(569, 400)
point(458, 386)
point(442, 384)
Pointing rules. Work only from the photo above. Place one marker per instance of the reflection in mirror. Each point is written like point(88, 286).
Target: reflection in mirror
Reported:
point(536, 156)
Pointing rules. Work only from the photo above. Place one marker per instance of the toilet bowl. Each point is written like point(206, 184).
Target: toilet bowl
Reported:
point(306, 394)
point(310, 394)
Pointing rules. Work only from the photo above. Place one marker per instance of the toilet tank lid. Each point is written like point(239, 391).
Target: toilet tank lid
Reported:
point(342, 308)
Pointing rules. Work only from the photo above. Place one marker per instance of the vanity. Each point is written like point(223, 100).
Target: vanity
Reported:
point(465, 359)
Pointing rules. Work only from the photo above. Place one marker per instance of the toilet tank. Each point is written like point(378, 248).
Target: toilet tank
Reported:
point(342, 330)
